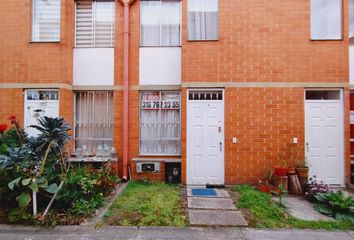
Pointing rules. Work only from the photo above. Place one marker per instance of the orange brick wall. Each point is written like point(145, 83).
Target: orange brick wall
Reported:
point(259, 41)
point(11, 103)
point(265, 41)
point(24, 62)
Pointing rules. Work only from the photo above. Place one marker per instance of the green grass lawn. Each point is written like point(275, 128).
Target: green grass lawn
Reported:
point(148, 204)
point(262, 212)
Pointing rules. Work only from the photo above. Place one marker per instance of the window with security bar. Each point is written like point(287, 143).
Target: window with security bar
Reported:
point(160, 123)
point(95, 23)
point(93, 122)
point(46, 20)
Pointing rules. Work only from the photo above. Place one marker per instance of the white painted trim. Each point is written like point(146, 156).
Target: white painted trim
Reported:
point(341, 100)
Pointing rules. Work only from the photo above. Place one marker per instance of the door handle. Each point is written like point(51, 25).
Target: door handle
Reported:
point(220, 146)
point(307, 147)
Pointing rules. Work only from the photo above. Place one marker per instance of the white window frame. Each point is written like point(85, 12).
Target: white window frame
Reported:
point(326, 36)
point(180, 28)
point(93, 43)
point(180, 119)
point(75, 120)
point(33, 25)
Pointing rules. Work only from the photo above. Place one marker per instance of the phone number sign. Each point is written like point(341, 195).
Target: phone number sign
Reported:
point(154, 101)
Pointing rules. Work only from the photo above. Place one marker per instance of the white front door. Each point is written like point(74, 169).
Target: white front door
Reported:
point(39, 103)
point(205, 137)
point(324, 135)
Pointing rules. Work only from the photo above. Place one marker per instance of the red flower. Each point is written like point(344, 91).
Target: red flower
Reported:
point(3, 127)
point(12, 119)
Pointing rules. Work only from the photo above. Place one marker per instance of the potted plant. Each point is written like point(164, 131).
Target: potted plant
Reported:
point(291, 170)
point(302, 169)
point(265, 186)
point(282, 169)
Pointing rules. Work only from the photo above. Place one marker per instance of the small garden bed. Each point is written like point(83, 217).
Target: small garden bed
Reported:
point(260, 211)
point(38, 186)
point(149, 204)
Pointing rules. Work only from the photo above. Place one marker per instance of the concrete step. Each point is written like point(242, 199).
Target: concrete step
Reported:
point(216, 218)
point(211, 203)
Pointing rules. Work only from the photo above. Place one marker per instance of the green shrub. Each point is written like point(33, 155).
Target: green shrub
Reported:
point(336, 205)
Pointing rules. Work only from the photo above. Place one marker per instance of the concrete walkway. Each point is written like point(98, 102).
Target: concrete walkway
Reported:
point(218, 210)
point(120, 233)
point(299, 208)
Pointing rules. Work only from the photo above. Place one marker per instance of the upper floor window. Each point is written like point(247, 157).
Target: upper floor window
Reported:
point(326, 19)
point(95, 23)
point(46, 20)
point(160, 23)
point(202, 20)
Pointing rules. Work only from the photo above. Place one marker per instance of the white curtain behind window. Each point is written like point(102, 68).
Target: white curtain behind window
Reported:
point(160, 23)
point(170, 23)
point(46, 20)
point(160, 131)
point(326, 19)
point(202, 19)
point(93, 120)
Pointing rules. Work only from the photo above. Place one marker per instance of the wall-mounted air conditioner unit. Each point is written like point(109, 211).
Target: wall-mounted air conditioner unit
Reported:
point(147, 167)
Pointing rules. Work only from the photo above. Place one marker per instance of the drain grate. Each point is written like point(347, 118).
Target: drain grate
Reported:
point(203, 192)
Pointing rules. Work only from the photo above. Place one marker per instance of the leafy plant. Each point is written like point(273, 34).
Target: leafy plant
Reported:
point(313, 188)
point(336, 205)
point(29, 161)
point(301, 163)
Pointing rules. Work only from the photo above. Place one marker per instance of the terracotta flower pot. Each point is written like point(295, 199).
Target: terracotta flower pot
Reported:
point(302, 172)
point(265, 188)
point(291, 171)
point(281, 171)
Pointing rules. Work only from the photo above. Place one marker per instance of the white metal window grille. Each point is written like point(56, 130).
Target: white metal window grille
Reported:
point(326, 19)
point(95, 23)
point(202, 20)
point(46, 20)
point(160, 23)
point(93, 121)
point(160, 123)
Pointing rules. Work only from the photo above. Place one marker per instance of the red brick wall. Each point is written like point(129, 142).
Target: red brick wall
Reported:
point(260, 41)
point(265, 41)
point(24, 62)
point(11, 103)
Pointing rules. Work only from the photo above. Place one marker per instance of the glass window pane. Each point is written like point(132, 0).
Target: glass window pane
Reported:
point(46, 20)
point(95, 24)
point(93, 121)
point(326, 19)
point(202, 19)
point(160, 128)
point(323, 95)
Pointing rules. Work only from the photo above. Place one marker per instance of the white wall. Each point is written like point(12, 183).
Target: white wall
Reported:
point(351, 64)
point(93, 66)
point(160, 66)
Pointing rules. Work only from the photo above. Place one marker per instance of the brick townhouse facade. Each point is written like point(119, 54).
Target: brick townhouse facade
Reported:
point(225, 89)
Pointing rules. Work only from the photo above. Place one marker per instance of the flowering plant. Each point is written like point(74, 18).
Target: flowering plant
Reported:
point(3, 127)
point(314, 188)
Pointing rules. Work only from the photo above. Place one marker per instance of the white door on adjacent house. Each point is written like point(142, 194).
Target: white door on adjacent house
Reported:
point(39, 103)
point(324, 135)
point(205, 137)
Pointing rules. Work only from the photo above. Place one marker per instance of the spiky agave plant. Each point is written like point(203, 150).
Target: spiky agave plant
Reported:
point(52, 138)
